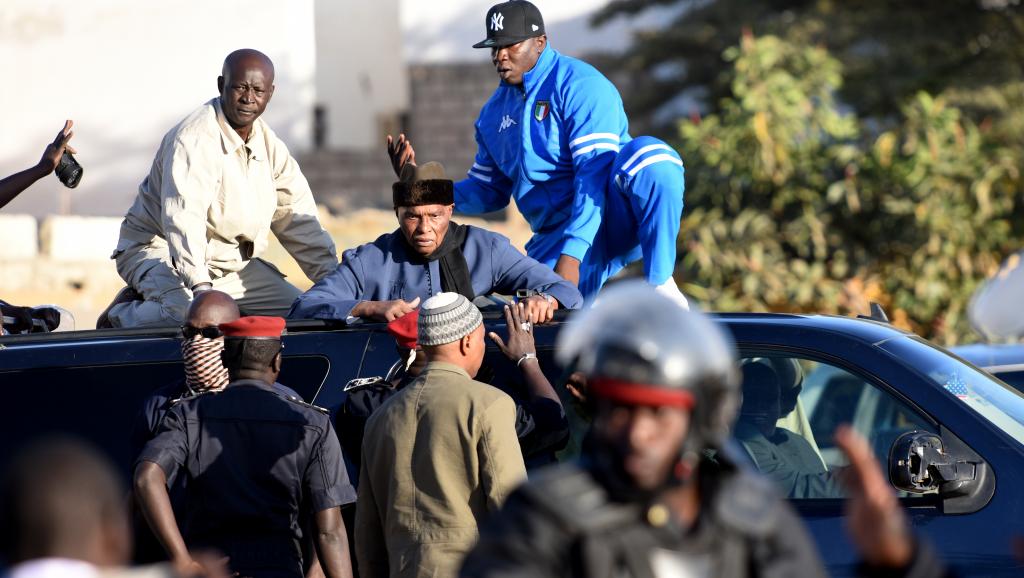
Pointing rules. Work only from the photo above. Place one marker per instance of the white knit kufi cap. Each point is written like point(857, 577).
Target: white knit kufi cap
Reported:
point(447, 317)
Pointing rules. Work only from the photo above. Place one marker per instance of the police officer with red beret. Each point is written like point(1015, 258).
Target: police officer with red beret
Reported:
point(255, 459)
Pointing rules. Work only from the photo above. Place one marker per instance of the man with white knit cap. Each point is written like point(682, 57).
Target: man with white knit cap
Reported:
point(438, 456)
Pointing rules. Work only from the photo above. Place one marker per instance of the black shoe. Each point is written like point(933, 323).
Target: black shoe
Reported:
point(126, 295)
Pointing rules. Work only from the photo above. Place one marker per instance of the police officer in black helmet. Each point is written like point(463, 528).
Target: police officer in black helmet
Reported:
point(656, 493)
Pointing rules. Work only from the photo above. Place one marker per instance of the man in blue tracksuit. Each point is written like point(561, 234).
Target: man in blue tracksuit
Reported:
point(554, 136)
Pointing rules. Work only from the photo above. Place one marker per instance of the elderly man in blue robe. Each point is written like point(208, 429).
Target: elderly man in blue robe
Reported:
point(429, 254)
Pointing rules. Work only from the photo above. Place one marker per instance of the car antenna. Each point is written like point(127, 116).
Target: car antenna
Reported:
point(877, 314)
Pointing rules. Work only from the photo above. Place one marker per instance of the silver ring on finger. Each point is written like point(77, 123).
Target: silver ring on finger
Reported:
point(526, 326)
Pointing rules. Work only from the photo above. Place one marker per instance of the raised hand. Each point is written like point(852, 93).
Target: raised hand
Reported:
point(401, 153)
point(520, 338)
point(875, 520)
point(54, 150)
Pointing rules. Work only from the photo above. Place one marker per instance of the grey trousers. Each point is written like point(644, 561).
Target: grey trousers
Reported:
point(259, 288)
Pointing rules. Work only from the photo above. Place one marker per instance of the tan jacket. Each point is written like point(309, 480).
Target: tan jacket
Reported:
point(212, 200)
point(437, 458)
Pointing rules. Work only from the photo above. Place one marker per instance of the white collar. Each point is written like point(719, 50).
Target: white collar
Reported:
point(53, 568)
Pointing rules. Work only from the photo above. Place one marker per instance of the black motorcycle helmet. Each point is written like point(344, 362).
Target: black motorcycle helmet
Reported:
point(637, 346)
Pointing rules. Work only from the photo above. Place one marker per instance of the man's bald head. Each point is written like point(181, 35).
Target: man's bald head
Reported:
point(61, 498)
point(211, 308)
point(239, 60)
point(246, 85)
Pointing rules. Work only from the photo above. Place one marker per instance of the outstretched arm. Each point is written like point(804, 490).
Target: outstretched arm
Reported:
point(514, 270)
point(521, 349)
point(13, 185)
point(552, 426)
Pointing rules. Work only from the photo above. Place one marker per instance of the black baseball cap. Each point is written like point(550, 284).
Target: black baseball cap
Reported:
point(511, 22)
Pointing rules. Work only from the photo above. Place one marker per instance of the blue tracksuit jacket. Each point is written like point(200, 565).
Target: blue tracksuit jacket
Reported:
point(559, 145)
point(548, 143)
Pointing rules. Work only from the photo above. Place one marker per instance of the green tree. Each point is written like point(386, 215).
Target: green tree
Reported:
point(793, 205)
point(889, 50)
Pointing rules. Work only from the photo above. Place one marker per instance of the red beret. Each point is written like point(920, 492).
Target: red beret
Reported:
point(254, 327)
point(404, 329)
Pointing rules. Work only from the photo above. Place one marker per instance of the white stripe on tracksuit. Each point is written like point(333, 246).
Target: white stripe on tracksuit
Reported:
point(578, 150)
point(641, 152)
point(654, 159)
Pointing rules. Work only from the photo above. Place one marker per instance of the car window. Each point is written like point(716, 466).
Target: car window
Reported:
point(304, 373)
point(791, 408)
point(1014, 377)
point(997, 402)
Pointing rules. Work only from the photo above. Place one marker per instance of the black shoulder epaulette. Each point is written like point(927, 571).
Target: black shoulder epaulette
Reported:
point(364, 382)
point(576, 501)
point(304, 403)
point(192, 395)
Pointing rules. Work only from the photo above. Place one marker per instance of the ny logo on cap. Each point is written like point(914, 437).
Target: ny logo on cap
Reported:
point(497, 21)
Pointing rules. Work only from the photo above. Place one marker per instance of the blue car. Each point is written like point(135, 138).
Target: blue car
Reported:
point(1005, 361)
point(950, 436)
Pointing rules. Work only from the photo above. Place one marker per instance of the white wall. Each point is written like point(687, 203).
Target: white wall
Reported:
point(446, 31)
point(360, 75)
point(126, 72)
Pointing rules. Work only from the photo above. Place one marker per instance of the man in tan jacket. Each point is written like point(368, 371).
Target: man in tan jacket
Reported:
point(438, 457)
point(221, 182)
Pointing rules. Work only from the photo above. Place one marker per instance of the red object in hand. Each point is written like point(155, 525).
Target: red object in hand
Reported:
point(404, 329)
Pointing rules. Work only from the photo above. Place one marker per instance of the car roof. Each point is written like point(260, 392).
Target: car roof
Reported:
point(992, 355)
point(860, 329)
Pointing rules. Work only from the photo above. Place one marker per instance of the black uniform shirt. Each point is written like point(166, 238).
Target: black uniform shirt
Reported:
point(251, 457)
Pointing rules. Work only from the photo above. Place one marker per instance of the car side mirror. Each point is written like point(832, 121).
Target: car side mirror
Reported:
point(919, 464)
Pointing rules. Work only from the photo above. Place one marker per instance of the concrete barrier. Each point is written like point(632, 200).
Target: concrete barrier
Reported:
point(19, 238)
point(79, 238)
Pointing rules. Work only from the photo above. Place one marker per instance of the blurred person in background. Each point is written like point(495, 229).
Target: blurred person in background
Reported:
point(63, 514)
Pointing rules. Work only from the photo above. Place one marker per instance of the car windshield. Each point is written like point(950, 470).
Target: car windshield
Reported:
point(994, 400)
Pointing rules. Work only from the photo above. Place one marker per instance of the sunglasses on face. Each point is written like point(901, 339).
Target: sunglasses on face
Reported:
point(188, 332)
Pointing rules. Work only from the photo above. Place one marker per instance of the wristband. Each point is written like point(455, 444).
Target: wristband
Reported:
point(525, 357)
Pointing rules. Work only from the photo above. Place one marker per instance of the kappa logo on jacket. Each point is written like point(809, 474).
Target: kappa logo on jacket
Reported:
point(506, 122)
